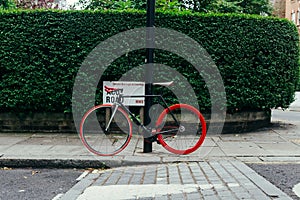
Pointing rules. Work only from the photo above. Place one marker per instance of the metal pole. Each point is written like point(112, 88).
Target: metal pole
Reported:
point(149, 69)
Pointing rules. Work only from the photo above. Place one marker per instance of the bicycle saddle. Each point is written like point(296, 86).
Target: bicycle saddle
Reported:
point(166, 84)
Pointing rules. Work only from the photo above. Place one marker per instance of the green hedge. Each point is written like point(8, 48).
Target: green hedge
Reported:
point(41, 51)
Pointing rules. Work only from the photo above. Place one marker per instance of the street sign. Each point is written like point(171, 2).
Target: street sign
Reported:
point(111, 90)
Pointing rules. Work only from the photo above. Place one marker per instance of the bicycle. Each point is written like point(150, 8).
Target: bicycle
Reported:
point(106, 129)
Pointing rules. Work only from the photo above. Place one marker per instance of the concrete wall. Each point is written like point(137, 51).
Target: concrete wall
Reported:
point(63, 123)
point(36, 122)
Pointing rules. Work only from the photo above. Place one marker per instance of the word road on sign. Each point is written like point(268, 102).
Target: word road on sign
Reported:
point(112, 90)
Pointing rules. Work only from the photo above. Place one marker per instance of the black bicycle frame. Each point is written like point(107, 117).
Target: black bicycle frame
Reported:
point(138, 122)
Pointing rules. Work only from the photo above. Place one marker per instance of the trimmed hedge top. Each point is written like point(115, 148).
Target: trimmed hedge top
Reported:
point(41, 52)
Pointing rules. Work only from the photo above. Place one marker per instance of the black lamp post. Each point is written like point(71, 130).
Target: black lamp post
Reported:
point(149, 67)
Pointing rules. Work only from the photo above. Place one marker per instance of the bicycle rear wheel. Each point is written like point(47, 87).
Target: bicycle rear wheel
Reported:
point(104, 142)
point(183, 137)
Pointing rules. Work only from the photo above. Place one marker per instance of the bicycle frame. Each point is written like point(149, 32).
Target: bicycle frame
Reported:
point(119, 103)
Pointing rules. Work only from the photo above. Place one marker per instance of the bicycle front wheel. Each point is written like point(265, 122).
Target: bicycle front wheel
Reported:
point(101, 140)
point(184, 136)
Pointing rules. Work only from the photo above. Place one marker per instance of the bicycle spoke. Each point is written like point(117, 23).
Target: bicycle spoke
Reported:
point(190, 129)
point(104, 142)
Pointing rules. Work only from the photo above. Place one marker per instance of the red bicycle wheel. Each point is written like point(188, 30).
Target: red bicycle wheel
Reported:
point(104, 142)
point(183, 137)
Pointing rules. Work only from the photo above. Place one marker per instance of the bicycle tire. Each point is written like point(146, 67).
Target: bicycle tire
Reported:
point(99, 141)
point(190, 133)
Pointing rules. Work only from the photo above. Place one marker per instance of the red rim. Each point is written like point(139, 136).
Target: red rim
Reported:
point(201, 138)
point(89, 147)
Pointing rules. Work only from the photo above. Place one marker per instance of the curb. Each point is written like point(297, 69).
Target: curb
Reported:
point(52, 163)
point(72, 163)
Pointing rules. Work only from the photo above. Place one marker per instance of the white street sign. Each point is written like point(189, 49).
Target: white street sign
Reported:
point(111, 90)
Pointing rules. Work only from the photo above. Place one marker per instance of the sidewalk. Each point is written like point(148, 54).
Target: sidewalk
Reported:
point(295, 106)
point(281, 142)
point(221, 158)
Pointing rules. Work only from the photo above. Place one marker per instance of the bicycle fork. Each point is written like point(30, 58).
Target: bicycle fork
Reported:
point(112, 116)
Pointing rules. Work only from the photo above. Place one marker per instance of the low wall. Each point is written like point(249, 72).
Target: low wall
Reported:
point(36, 122)
point(63, 123)
point(246, 121)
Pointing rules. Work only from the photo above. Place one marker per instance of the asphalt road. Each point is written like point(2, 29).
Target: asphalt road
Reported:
point(36, 184)
point(284, 176)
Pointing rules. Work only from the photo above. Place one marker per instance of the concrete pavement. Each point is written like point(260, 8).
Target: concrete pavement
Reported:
point(215, 171)
point(224, 179)
point(279, 142)
point(295, 106)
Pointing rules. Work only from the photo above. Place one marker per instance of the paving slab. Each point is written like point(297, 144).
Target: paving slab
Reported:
point(68, 146)
point(241, 148)
point(12, 140)
point(230, 179)
point(281, 149)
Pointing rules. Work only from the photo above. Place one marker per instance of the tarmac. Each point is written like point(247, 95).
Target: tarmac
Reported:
point(217, 170)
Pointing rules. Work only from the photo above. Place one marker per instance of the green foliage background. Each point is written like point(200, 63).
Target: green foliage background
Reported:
point(41, 52)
